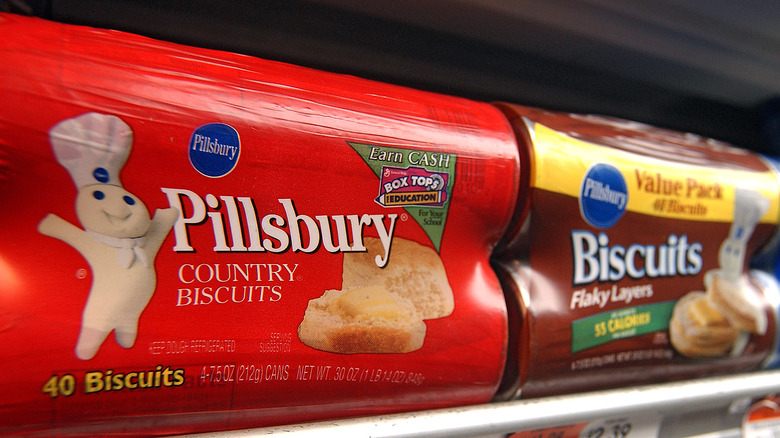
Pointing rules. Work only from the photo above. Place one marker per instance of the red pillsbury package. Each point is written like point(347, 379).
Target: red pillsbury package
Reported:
point(195, 240)
point(632, 261)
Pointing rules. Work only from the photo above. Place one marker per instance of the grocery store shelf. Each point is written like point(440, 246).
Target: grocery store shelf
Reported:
point(709, 405)
point(707, 68)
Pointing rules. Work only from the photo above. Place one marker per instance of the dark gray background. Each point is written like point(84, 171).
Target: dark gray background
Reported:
point(709, 67)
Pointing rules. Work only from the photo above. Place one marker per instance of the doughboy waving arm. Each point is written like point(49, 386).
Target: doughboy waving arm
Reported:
point(163, 221)
point(54, 226)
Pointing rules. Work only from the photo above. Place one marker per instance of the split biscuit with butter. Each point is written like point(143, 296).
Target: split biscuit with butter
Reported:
point(380, 310)
point(698, 330)
point(737, 301)
point(414, 272)
point(362, 320)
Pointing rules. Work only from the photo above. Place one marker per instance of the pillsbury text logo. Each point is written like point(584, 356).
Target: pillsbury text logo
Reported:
point(214, 149)
point(603, 196)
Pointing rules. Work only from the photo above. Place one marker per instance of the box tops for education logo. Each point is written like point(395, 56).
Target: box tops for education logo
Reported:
point(412, 186)
point(418, 180)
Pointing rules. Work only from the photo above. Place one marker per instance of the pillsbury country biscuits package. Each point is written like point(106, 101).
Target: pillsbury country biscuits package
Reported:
point(195, 240)
point(630, 257)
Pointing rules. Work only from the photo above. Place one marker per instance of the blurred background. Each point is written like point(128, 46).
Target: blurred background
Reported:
point(711, 67)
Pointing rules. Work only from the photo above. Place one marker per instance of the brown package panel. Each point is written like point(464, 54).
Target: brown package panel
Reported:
point(629, 264)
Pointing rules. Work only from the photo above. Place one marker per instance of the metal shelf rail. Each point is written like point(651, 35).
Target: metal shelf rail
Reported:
point(715, 394)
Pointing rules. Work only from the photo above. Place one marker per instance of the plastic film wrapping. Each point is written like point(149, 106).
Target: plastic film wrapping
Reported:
point(630, 261)
point(197, 240)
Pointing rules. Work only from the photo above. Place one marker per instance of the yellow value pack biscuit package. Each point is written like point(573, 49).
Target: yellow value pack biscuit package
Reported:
point(195, 240)
point(630, 256)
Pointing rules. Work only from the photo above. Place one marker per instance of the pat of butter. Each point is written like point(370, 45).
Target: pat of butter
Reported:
point(369, 302)
point(704, 315)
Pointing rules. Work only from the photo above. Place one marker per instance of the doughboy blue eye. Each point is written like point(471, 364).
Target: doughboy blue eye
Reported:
point(98, 195)
point(129, 200)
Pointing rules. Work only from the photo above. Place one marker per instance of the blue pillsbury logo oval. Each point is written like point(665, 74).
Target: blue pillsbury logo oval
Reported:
point(603, 196)
point(214, 149)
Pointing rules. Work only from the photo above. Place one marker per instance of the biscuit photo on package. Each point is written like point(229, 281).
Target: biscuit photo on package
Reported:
point(380, 310)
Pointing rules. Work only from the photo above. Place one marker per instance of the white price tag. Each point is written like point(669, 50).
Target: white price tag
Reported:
point(633, 426)
point(762, 420)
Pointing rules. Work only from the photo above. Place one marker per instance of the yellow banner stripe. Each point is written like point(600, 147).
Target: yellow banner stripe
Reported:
point(656, 187)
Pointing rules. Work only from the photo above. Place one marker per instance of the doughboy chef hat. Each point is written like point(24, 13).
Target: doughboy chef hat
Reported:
point(92, 147)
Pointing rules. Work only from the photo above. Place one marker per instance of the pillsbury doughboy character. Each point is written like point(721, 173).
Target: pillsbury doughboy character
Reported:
point(119, 239)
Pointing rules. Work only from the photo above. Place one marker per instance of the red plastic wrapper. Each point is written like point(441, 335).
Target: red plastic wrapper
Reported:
point(195, 240)
point(629, 257)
